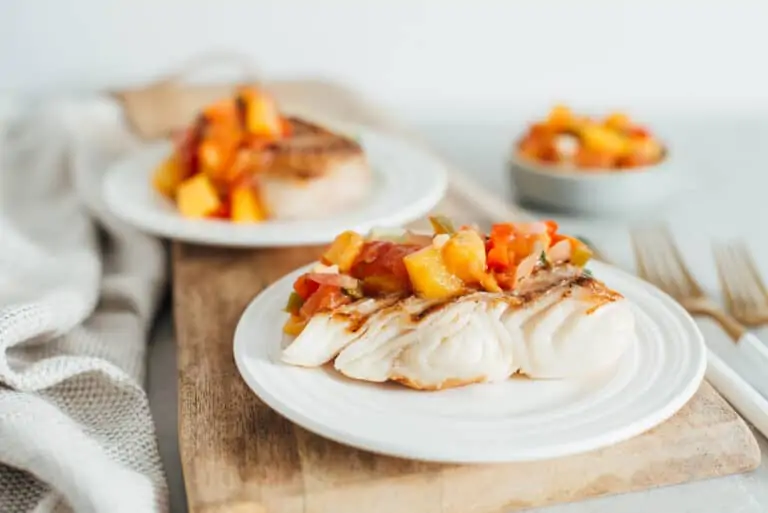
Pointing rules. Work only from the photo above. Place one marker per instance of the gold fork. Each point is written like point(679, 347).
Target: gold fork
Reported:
point(746, 296)
point(659, 262)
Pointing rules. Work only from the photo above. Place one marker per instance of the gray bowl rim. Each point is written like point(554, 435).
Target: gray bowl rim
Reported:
point(593, 174)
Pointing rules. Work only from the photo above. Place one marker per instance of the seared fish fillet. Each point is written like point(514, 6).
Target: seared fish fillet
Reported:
point(328, 333)
point(559, 324)
point(313, 173)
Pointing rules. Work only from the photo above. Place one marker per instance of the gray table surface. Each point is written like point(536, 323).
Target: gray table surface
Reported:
point(725, 178)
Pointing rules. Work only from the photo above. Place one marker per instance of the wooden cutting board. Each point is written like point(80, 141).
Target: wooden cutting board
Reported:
point(240, 456)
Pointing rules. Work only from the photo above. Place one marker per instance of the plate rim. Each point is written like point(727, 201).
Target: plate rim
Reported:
point(633, 429)
point(404, 214)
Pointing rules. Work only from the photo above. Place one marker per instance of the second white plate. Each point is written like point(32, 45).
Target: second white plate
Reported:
point(408, 183)
point(518, 420)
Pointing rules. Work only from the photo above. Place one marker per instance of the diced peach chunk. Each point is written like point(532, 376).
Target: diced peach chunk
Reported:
point(168, 177)
point(580, 252)
point(617, 121)
point(344, 250)
point(560, 117)
point(246, 207)
point(600, 139)
point(464, 256)
point(262, 116)
point(197, 197)
point(429, 276)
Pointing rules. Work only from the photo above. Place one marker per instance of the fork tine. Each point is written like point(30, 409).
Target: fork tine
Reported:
point(668, 271)
point(755, 279)
point(723, 264)
point(664, 264)
point(690, 282)
point(740, 284)
point(643, 269)
point(649, 266)
point(745, 292)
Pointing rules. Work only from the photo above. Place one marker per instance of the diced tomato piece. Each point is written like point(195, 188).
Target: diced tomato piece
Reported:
point(498, 246)
point(523, 245)
point(640, 132)
point(551, 227)
point(304, 286)
point(326, 297)
point(541, 130)
point(384, 259)
point(509, 242)
point(223, 112)
point(498, 257)
point(549, 154)
point(307, 284)
point(186, 144)
point(506, 279)
point(501, 232)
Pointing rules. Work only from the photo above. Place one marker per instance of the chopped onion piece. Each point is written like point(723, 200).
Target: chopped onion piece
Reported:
point(532, 228)
point(325, 269)
point(567, 145)
point(560, 251)
point(439, 240)
point(526, 267)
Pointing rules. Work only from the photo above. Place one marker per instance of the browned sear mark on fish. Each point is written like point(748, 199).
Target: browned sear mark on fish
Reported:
point(436, 307)
point(565, 281)
point(355, 320)
point(601, 293)
point(308, 153)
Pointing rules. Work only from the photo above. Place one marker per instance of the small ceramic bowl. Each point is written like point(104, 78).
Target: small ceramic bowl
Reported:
point(595, 192)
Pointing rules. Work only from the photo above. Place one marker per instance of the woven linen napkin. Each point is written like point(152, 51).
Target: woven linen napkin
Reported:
point(78, 292)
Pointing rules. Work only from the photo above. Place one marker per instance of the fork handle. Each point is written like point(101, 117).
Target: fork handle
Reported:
point(732, 327)
point(756, 352)
point(749, 402)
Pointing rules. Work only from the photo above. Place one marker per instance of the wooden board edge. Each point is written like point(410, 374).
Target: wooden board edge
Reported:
point(185, 459)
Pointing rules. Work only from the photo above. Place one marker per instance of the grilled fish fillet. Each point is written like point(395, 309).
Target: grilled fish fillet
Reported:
point(559, 325)
point(328, 333)
point(314, 173)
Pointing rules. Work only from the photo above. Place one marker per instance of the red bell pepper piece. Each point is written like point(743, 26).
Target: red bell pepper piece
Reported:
point(304, 286)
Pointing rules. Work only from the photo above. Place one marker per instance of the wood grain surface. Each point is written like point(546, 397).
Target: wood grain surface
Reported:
point(240, 456)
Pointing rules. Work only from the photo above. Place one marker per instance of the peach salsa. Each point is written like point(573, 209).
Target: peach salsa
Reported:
point(435, 267)
point(567, 141)
point(242, 160)
point(456, 307)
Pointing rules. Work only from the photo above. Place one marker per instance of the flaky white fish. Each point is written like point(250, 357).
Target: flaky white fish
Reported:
point(561, 324)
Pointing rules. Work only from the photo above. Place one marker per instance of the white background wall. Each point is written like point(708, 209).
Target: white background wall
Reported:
point(418, 56)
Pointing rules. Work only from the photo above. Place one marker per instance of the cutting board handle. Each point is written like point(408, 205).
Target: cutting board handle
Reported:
point(167, 104)
point(243, 64)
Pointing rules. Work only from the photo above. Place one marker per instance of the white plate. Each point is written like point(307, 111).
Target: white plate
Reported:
point(518, 420)
point(407, 184)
